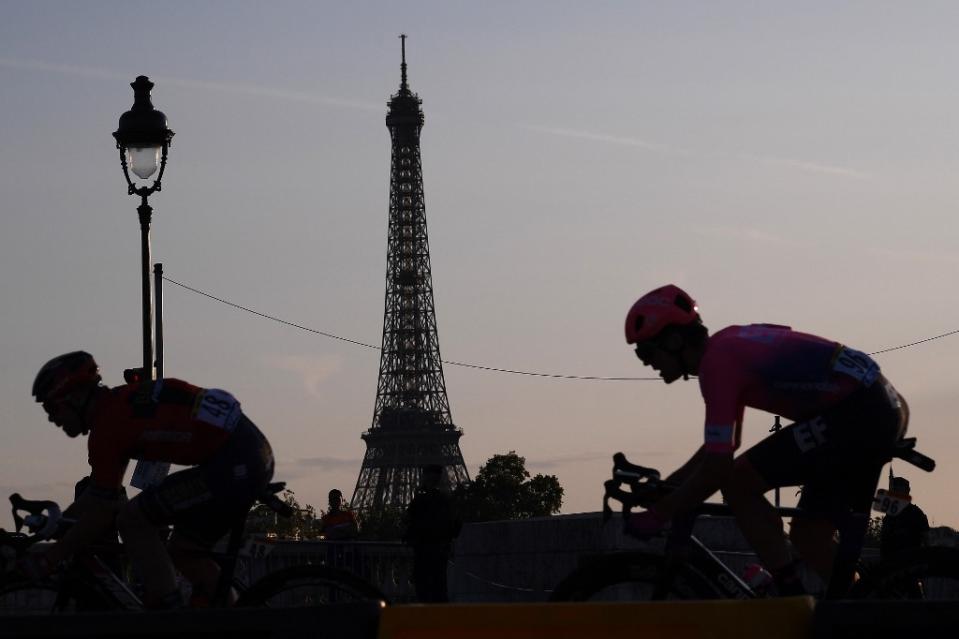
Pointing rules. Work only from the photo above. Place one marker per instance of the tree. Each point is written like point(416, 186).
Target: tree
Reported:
point(263, 520)
point(383, 524)
point(503, 489)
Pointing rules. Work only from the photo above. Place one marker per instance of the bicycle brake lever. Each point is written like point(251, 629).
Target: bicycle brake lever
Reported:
point(48, 510)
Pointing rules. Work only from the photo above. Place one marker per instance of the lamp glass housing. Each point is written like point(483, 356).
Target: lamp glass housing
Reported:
point(143, 160)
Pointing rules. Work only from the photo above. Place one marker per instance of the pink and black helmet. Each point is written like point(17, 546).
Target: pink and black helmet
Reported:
point(666, 306)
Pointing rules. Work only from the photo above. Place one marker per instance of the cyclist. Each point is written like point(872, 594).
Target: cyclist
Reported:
point(846, 416)
point(230, 464)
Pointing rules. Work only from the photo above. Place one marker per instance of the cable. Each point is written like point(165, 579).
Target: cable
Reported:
point(270, 317)
point(380, 348)
point(479, 366)
point(922, 341)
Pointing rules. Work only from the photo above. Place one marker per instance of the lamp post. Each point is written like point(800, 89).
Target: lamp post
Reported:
point(143, 139)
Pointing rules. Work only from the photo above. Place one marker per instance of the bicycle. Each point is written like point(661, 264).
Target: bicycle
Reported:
point(687, 569)
point(93, 580)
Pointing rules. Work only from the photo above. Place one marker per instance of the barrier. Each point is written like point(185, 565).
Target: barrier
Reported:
point(789, 618)
point(880, 619)
point(344, 621)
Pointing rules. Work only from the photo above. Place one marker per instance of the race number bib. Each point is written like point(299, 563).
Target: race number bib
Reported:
point(857, 365)
point(217, 408)
point(889, 503)
point(256, 548)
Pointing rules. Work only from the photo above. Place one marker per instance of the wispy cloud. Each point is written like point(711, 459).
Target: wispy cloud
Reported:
point(800, 165)
point(227, 87)
point(312, 370)
point(328, 463)
point(903, 255)
point(550, 463)
point(746, 234)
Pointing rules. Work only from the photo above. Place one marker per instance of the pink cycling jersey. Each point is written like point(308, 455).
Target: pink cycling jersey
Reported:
point(775, 369)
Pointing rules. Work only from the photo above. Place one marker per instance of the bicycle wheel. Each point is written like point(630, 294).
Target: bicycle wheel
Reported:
point(308, 586)
point(633, 576)
point(928, 574)
point(25, 598)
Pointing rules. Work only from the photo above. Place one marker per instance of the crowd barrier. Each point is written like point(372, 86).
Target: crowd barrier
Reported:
point(788, 618)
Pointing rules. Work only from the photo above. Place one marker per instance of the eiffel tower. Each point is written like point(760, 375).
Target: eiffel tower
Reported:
point(412, 425)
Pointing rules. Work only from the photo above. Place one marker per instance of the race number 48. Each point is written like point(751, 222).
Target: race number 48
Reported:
point(217, 408)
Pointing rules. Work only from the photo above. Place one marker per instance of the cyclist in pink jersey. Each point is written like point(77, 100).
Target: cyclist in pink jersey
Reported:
point(229, 463)
point(845, 415)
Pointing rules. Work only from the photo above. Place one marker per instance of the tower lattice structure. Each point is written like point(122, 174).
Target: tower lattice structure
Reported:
point(412, 424)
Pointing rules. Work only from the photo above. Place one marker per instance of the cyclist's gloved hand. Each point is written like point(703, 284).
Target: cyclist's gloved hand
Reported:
point(648, 523)
point(34, 567)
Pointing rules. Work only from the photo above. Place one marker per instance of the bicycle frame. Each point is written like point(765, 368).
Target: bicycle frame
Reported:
point(683, 547)
point(46, 516)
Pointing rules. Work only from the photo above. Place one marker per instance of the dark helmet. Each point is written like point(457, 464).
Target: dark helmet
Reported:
point(65, 374)
point(899, 485)
point(666, 306)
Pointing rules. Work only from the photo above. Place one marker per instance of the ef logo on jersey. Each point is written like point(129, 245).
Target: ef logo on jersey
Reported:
point(810, 434)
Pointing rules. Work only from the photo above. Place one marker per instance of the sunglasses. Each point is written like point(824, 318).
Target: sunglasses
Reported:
point(645, 350)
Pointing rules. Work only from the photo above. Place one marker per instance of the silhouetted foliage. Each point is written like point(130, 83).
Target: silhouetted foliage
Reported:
point(873, 533)
point(385, 524)
point(262, 520)
point(503, 489)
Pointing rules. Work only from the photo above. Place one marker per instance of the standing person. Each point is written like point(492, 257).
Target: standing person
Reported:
point(907, 528)
point(338, 524)
point(431, 529)
point(846, 416)
point(230, 462)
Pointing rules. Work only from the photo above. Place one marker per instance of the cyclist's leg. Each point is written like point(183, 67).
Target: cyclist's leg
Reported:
point(147, 552)
point(852, 523)
point(232, 481)
point(757, 518)
point(802, 454)
point(815, 539)
point(785, 458)
point(193, 560)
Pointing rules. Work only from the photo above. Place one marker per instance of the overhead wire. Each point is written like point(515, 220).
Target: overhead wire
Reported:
point(481, 367)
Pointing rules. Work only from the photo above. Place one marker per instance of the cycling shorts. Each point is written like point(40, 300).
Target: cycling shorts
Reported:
point(837, 456)
point(204, 502)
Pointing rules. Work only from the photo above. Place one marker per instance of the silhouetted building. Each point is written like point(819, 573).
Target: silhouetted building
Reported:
point(412, 425)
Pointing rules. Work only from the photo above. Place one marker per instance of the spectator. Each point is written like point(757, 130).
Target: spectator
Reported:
point(431, 528)
point(905, 529)
point(338, 524)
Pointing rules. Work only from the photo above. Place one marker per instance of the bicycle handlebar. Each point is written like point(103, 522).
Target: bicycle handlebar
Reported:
point(646, 488)
point(42, 519)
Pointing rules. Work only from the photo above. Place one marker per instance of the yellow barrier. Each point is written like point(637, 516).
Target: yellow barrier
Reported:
point(787, 618)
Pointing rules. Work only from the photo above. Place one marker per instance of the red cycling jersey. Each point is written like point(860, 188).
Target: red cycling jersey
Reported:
point(183, 425)
point(775, 369)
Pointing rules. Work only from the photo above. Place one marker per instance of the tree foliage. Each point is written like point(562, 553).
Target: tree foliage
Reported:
point(504, 489)
point(262, 520)
point(385, 524)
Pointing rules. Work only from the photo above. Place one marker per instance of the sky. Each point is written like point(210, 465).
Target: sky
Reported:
point(786, 163)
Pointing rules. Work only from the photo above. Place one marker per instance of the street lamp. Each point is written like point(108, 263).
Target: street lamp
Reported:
point(144, 139)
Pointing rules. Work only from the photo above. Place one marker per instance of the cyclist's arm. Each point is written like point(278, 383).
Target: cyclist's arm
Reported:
point(685, 471)
point(705, 479)
point(97, 514)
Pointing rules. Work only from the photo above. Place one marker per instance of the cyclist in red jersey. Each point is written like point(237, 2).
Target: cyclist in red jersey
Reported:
point(845, 415)
point(230, 463)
